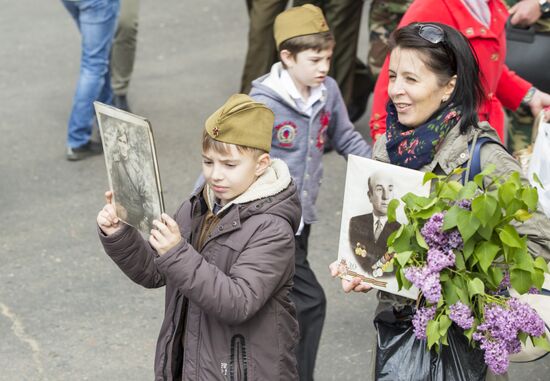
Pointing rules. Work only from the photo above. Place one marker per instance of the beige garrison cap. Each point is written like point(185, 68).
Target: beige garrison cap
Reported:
point(299, 21)
point(242, 121)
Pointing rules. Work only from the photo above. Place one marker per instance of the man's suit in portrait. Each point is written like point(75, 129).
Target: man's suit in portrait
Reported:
point(366, 248)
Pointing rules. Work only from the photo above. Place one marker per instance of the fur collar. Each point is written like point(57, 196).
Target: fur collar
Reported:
point(275, 179)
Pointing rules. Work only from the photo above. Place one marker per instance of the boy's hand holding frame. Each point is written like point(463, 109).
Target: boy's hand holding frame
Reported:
point(166, 234)
point(107, 218)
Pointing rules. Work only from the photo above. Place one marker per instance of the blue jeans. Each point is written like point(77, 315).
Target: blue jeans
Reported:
point(96, 20)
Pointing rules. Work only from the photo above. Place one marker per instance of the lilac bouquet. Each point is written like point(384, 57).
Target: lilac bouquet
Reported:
point(461, 250)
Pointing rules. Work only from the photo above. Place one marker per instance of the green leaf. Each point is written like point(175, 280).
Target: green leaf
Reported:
point(420, 240)
point(541, 342)
point(523, 261)
point(540, 263)
point(510, 236)
point(475, 287)
point(403, 242)
point(467, 225)
point(485, 253)
point(522, 215)
point(486, 232)
point(451, 217)
point(444, 324)
point(530, 197)
point(521, 280)
point(506, 193)
point(403, 257)
point(537, 277)
point(522, 336)
point(468, 191)
point(468, 249)
point(432, 331)
point(449, 292)
point(392, 208)
point(460, 264)
point(404, 281)
point(483, 207)
point(450, 190)
point(429, 176)
point(495, 276)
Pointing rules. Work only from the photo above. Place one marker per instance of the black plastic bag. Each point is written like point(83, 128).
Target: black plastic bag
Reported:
point(400, 356)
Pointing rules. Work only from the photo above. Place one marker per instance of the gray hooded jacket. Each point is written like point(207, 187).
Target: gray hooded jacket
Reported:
point(299, 139)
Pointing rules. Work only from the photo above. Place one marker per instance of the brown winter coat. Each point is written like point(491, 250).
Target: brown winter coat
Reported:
point(229, 303)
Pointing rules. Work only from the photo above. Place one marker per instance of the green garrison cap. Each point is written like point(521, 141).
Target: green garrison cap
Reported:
point(242, 121)
point(299, 21)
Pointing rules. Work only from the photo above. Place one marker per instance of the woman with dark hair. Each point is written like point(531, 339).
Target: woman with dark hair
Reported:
point(434, 91)
point(483, 23)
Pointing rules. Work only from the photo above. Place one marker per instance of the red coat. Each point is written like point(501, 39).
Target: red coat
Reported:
point(502, 86)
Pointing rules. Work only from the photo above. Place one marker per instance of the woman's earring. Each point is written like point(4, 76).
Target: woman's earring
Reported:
point(444, 99)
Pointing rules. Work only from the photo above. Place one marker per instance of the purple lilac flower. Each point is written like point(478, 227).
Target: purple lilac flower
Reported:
point(505, 282)
point(465, 204)
point(431, 288)
point(436, 238)
point(461, 314)
point(454, 239)
point(533, 291)
point(432, 230)
point(526, 318)
point(420, 321)
point(498, 333)
point(438, 260)
point(416, 275)
point(496, 356)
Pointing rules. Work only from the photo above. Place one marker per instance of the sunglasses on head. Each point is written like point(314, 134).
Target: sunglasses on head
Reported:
point(431, 33)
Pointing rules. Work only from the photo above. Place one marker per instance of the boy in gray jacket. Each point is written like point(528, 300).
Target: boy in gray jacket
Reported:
point(226, 259)
point(309, 110)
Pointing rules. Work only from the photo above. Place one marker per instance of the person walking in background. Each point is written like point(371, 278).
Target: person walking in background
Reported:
point(309, 111)
point(96, 20)
point(483, 23)
point(123, 52)
point(524, 13)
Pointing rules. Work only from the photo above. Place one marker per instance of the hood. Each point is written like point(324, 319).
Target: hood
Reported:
point(274, 192)
point(271, 86)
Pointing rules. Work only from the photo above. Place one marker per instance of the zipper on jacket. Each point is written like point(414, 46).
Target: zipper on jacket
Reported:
point(238, 363)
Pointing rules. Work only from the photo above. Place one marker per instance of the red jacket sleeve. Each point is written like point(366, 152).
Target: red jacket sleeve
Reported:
point(511, 88)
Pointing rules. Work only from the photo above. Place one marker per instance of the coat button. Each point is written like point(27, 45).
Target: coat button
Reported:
point(469, 31)
point(220, 228)
point(234, 223)
point(495, 56)
point(483, 30)
point(463, 155)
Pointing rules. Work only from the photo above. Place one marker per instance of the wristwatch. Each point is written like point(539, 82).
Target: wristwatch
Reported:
point(545, 8)
point(528, 96)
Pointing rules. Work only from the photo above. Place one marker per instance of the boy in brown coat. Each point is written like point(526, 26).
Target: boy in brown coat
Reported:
point(226, 259)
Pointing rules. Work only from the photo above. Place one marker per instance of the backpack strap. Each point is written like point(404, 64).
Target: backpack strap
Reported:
point(475, 157)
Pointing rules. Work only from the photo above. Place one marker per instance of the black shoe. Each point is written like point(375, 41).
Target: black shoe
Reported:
point(89, 149)
point(121, 102)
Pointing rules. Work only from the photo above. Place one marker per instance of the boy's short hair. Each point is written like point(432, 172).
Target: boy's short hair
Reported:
point(317, 42)
point(300, 22)
point(240, 121)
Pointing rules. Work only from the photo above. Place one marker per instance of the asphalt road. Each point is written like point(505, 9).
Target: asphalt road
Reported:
point(66, 312)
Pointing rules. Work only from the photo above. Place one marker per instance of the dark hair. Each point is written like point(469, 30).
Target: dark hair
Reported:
point(453, 55)
point(316, 41)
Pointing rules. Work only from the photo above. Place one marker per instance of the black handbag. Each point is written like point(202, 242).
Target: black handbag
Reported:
point(528, 54)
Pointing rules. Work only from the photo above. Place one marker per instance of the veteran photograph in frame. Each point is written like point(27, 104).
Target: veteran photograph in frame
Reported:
point(132, 167)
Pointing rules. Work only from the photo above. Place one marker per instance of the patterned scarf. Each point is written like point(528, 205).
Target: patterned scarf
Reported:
point(416, 147)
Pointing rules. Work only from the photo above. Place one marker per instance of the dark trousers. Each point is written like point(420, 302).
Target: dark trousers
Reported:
point(311, 305)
